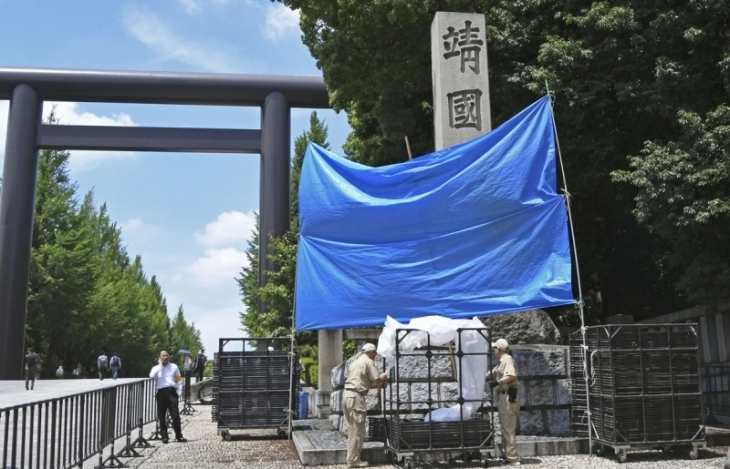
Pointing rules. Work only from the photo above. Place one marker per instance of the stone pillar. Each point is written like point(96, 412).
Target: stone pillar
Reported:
point(330, 355)
point(17, 204)
point(275, 168)
point(460, 78)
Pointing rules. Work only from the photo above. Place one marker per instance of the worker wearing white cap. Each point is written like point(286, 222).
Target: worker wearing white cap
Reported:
point(505, 381)
point(362, 376)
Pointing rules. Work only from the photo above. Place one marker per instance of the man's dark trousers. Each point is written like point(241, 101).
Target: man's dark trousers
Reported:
point(167, 400)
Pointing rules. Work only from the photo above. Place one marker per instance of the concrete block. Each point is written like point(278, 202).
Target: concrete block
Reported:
point(417, 367)
point(541, 361)
point(531, 423)
point(421, 392)
point(563, 392)
point(541, 392)
point(558, 422)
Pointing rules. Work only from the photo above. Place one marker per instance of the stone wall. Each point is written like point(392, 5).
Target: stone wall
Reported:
point(545, 392)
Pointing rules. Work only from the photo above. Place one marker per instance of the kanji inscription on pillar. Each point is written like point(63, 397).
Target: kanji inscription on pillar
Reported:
point(460, 78)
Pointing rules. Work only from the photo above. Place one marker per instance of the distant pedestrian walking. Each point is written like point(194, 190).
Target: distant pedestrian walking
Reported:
point(59, 372)
point(31, 364)
point(101, 364)
point(200, 361)
point(115, 363)
point(169, 388)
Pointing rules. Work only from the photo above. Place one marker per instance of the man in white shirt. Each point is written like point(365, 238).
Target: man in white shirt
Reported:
point(169, 388)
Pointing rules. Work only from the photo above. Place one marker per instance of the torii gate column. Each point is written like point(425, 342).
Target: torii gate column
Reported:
point(16, 225)
point(275, 168)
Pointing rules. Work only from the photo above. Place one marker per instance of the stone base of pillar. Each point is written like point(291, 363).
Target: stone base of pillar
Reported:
point(322, 408)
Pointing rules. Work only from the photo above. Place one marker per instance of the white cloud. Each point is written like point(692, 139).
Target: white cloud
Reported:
point(280, 22)
point(194, 6)
point(73, 114)
point(214, 325)
point(136, 231)
point(69, 113)
point(230, 228)
point(145, 26)
point(218, 266)
point(190, 6)
point(132, 225)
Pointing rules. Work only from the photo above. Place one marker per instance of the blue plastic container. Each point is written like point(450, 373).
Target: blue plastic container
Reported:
point(303, 404)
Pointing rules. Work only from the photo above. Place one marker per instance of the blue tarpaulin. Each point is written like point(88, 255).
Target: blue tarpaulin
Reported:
point(471, 230)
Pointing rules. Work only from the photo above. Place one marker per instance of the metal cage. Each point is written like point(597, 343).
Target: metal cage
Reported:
point(255, 388)
point(407, 432)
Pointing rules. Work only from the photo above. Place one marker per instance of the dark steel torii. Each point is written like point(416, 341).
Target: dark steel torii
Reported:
point(28, 88)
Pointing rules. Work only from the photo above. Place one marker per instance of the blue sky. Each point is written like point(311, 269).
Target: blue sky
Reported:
point(188, 215)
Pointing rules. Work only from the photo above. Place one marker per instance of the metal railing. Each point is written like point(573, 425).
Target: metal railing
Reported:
point(716, 392)
point(65, 431)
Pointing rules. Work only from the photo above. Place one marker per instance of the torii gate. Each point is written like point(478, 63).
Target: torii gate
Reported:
point(28, 88)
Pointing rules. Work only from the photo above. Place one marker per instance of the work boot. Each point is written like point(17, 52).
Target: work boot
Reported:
point(359, 464)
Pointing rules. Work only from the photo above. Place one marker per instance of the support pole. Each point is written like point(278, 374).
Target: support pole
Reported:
point(16, 225)
point(275, 168)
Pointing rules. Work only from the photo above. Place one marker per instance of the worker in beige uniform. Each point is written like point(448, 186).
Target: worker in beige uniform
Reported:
point(362, 376)
point(504, 379)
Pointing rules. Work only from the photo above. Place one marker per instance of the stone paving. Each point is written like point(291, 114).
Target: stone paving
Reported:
point(263, 449)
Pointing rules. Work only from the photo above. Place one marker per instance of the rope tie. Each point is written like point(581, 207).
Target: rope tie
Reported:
point(593, 369)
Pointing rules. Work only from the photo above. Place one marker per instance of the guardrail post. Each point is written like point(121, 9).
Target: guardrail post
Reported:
point(128, 451)
point(106, 432)
point(82, 428)
point(140, 403)
point(187, 408)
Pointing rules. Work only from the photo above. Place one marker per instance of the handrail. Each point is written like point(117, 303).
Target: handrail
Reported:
point(64, 432)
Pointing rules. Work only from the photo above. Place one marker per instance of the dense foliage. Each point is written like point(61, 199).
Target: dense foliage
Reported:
point(640, 93)
point(85, 294)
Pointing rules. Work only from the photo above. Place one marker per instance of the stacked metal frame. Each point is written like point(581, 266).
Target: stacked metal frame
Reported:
point(254, 388)
point(644, 390)
point(579, 410)
point(408, 434)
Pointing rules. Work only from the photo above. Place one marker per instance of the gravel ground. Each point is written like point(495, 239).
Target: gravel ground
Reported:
point(262, 449)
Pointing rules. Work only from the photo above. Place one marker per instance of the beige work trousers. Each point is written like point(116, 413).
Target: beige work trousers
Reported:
point(508, 421)
point(354, 411)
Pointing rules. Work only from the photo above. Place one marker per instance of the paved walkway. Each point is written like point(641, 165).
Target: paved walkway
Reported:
point(263, 449)
point(13, 393)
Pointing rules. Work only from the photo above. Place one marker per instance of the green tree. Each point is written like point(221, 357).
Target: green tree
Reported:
point(85, 295)
point(624, 73)
point(620, 73)
point(183, 335)
point(62, 264)
point(684, 197)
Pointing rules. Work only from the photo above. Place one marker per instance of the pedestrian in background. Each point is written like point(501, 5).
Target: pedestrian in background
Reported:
point(31, 363)
point(200, 362)
point(101, 364)
point(59, 372)
point(508, 406)
point(115, 363)
point(169, 388)
point(362, 376)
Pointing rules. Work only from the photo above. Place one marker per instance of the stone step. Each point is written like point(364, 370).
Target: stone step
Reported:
point(318, 443)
